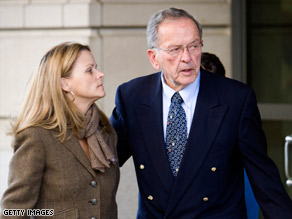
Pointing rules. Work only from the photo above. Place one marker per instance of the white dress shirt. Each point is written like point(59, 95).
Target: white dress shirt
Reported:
point(189, 94)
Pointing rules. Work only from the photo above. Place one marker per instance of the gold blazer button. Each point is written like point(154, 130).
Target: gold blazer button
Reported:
point(150, 197)
point(142, 167)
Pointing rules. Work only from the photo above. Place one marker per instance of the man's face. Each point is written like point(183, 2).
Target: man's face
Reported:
point(182, 69)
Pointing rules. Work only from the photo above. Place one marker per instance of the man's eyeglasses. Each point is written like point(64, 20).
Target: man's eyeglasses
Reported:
point(178, 50)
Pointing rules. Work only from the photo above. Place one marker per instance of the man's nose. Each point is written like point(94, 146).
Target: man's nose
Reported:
point(186, 56)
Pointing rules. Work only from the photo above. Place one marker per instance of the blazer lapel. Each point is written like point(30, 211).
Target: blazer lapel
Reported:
point(149, 115)
point(206, 122)
point(73, 145)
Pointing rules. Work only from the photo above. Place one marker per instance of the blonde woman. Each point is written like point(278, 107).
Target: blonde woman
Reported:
point(65, 161)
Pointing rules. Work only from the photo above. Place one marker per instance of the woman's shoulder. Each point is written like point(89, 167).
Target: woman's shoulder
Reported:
point(33, 135)
point(33, 131)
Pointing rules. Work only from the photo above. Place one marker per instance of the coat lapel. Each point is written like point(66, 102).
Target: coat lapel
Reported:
point(205, 125)
point(73, 145)
point(149, 115)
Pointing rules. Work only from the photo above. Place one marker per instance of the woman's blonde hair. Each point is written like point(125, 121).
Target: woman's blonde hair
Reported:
point(46, 104)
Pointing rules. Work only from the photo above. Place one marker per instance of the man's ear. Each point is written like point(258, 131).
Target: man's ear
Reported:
point(153, 58)
point(64, 85)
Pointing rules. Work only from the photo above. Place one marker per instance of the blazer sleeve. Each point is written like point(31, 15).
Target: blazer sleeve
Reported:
point(25, 171)
point(261, 170)
point(118, 121)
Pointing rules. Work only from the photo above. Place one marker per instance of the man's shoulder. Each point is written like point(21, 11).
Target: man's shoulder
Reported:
point(224, 83)
point(226, 89)
point(140, 84)
point(141, 88)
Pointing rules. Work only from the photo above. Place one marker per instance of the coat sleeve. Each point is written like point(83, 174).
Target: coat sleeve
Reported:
point(261, 170)
point(25, 172)
point(118, 121)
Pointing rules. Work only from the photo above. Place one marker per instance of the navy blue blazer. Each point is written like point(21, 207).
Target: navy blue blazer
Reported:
point(225, 136)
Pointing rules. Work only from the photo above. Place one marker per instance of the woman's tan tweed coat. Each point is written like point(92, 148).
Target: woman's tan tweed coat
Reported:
point(47, 174)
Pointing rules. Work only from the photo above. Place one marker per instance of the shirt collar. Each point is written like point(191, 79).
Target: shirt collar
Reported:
point(187, 93)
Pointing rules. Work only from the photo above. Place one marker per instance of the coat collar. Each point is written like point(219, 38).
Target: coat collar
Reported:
point(73, 145)
point(149, 114)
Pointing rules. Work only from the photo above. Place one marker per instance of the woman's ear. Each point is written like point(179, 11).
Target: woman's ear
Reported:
point(64, 85)
point(152, 55)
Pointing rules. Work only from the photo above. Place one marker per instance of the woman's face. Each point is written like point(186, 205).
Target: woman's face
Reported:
point(85, 81)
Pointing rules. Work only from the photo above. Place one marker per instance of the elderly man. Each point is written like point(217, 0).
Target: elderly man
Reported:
point(191, 132)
